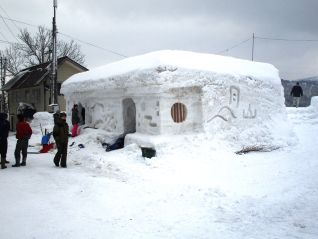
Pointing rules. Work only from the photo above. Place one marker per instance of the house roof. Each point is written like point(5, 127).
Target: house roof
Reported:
point(33, 76)
point(168, 68)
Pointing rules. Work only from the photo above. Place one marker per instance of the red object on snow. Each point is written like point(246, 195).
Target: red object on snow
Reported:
point(46, 148)
point(74, 130)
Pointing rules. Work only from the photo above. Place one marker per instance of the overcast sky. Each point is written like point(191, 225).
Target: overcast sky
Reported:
point(134, 27)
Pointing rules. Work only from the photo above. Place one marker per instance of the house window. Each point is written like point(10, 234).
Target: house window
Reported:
point(178, 112)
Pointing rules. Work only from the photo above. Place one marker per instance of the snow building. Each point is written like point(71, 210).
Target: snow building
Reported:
point(177, 92)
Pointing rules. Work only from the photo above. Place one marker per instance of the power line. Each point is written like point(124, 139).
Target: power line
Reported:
point(69, 36)
point(285, 39)
point(93, 45)
point(234, 46)
point(20, 22)
point(5, 23)
point(9, 18)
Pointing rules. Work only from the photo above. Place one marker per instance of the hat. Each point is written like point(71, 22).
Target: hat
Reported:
point(62, 114)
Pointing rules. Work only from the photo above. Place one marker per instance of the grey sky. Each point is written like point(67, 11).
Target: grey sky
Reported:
point(211, 26)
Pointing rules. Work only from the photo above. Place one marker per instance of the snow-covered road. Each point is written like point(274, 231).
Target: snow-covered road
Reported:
point(185, 193)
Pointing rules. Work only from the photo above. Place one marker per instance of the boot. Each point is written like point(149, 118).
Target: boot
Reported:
point(3, 163)
point(23, 162)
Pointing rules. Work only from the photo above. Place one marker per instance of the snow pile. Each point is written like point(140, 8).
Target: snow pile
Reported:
point(314, 104)
point(42, 121)
point(305, 114)
point(134, 70)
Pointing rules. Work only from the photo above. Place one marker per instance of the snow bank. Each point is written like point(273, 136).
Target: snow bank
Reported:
point(303, 115)
point(42, 120)
point(314, 103)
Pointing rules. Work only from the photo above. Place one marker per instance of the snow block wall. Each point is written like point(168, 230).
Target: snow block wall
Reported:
point(177, 92)
point(246, 110)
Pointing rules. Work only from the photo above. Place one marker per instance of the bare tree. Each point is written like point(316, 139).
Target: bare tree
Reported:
point(15, 59)
point(36, 49)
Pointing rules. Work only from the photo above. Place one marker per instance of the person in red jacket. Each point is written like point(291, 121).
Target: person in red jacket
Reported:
point(23, 134)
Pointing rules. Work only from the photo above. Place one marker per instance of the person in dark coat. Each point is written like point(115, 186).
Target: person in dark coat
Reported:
point(75, 120)
point(56, 117)
point(23, 134)
point(296, 92)
point(4, 132)
point(60, 134)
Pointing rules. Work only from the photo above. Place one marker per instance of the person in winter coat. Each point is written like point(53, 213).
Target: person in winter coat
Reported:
point(75, 120)
point(56, 117)
point(4, 132)
point(23, 134)
point(296, 92)
point(60, 134)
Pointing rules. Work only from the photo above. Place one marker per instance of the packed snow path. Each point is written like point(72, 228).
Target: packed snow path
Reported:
point(184, 193)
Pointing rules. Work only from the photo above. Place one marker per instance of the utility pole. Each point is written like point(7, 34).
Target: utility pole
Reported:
point(54, 58)
point(3, 72)
point(253, 46)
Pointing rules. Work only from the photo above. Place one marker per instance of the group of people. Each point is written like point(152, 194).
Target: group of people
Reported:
point(23, 134)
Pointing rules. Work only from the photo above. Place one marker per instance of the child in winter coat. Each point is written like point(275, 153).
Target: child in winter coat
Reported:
point(23, 134)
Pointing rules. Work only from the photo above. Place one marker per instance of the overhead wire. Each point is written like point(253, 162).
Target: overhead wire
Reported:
point(5, 23)
point(71, 37)
point(9, 18)
point(286, 39)
point(234, 46)
point(93, 45)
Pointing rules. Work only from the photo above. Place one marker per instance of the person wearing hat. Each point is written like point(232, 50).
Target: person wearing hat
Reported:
point(60, 134)
point(4, 132)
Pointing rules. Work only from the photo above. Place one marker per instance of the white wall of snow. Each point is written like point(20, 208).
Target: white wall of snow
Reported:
point(237, 100)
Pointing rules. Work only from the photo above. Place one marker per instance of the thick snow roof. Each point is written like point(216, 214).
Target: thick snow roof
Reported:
point(128, 72)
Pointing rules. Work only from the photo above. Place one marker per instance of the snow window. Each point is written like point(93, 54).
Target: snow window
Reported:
point(178, 112)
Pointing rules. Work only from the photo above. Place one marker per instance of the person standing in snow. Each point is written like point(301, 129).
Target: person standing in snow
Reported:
point(4, 132)
point(60, 134)
point(23, 134)
point(296, 92)
point(56, 117)
point(75, 120)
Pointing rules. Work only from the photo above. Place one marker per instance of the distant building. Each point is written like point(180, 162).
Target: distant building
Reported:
point(31, 86)
point(309, 86)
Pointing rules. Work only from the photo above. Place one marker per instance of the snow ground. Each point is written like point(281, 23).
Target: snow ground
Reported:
point(190, 191)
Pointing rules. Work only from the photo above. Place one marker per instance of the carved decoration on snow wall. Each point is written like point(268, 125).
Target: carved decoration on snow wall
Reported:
point(225, 113)
point(249, 114)
point(234, 96)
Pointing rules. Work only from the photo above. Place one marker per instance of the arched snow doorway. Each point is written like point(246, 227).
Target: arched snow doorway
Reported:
point(129, 116)
point(81, 113)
